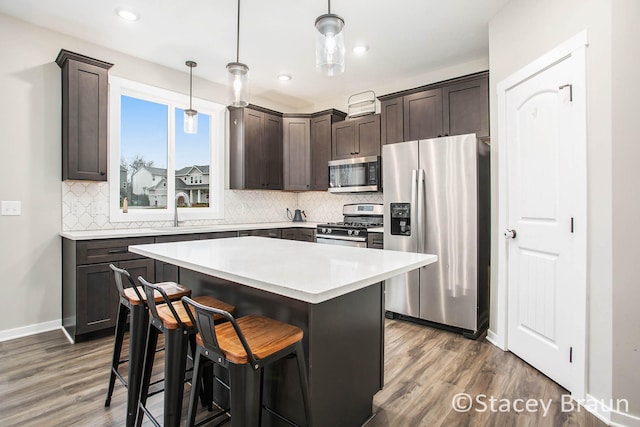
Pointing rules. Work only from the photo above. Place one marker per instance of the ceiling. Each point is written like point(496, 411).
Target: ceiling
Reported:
point(405, 37)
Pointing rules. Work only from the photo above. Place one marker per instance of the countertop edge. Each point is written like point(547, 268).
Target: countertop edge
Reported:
point(308, 297)
point(168, 231)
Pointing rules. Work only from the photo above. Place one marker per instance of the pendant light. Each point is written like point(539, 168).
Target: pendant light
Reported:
point(330, 44)
point(191, 115)
point(238, 76)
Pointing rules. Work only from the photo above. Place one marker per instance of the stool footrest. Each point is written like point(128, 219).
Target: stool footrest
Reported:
point(221, 412)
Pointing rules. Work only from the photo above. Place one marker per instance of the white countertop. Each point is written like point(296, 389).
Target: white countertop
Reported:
point(304, 271)
point(185, 229)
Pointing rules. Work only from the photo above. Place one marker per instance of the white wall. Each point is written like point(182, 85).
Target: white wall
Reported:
point(521, 32)
point(626, 204)
point(30, 156)
point(30, 161)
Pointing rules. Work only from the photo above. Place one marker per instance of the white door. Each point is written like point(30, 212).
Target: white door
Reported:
point(545, 201)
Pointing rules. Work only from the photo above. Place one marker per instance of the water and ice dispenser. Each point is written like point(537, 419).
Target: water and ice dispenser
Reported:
point(401, 219)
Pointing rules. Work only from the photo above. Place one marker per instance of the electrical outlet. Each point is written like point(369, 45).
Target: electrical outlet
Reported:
point(10, 207)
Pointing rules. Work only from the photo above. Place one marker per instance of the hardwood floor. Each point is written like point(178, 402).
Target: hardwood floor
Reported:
point(45, 381)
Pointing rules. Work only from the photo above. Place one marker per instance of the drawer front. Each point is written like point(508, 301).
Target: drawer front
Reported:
point(306, 234)
point(176, 238)
point(108, 250)
point(218, 235)
point(275, 233)
point(375, 240)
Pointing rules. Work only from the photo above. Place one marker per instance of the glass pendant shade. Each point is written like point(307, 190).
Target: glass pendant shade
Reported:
point(190, 121)
point(330, 50)
point(238, 84)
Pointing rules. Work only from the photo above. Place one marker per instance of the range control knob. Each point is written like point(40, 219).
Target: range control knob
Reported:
point(349, 232)
point(356, 232)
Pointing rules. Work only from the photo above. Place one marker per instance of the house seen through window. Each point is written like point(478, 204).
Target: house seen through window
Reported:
point(161, 166)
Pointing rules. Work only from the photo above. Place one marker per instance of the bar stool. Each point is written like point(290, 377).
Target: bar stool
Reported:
point(133, 302)
point(172, 320)
point(245, 346)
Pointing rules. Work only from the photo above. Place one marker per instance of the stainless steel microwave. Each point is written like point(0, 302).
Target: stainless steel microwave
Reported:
point(360, 174)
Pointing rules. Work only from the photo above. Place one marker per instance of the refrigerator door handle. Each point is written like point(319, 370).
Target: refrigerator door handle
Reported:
point(420, 211)
point(414, 205)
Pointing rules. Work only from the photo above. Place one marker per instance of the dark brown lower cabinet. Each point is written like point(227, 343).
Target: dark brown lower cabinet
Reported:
point(275, 233)
point(89, 293)
point(301, 234)
point(375, 240)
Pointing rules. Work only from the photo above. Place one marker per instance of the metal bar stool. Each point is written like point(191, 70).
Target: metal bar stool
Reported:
point(245, 346)
point(133, 302)
point(172, 320)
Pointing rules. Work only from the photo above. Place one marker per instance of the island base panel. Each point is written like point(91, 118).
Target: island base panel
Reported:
point(343, 344)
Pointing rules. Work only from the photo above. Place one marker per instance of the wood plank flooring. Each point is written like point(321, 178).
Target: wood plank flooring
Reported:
point(45, 381)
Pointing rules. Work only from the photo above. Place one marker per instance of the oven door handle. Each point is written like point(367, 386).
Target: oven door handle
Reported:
point(352, 239)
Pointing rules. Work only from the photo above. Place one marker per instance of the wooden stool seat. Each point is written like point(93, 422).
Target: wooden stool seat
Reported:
point(264, 335)
point(245, 346)
point(170, 322)
point(173, 290)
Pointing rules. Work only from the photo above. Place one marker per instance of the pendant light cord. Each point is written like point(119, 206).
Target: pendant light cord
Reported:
point(329, 6)
point(190, 87)
point(238, 36)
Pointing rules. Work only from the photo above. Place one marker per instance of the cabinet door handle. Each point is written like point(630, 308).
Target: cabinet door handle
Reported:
point(118, 251)
point(103, 173)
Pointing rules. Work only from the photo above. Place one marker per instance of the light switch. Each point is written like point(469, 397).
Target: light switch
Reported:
point(10, 207)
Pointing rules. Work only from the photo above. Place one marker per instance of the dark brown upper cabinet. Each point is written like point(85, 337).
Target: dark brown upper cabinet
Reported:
point(391, 121)
point(84, 116)
point(255, 148)
point(297, 152)
point(307, 149)
point(423, 115)
point(356, 138)
point(454, 107)
point(466, 107)
point(321, 146)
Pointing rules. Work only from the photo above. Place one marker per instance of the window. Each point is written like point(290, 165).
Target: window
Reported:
point(150, 155)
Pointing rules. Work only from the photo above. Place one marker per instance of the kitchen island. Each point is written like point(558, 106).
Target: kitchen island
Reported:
point(334, 293)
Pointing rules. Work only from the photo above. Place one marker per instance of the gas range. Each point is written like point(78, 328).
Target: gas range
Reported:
point(352, 231)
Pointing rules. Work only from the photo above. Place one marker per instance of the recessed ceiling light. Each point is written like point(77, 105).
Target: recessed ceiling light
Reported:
point(360, 50)
point(284, 77)
point(127, 15)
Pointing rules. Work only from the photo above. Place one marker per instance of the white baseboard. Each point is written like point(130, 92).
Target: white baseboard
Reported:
point(621, 418)
point(612, 412)
point(24, 331)
point(494, 339)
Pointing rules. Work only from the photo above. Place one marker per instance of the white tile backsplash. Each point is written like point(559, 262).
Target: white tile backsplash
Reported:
point(85, 206)
point(322, 206)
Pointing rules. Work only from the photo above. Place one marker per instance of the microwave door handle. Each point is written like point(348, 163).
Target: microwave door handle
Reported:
point(421, 210)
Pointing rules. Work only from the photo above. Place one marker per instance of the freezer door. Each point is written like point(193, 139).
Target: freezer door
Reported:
point(448, 288)
point(399, 175)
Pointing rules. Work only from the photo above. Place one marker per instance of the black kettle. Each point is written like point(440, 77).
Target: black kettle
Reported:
point(297, 215)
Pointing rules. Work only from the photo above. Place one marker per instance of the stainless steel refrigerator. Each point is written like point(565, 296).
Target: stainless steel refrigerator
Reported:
point(437, 200)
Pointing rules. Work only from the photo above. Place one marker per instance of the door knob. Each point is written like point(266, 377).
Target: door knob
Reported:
point(510, 234)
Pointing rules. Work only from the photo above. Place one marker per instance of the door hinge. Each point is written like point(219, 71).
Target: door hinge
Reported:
point(570, 354)
point(572, 224)
point(570, 86)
